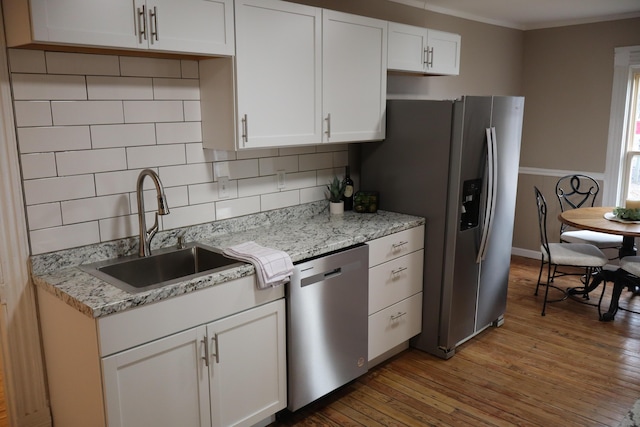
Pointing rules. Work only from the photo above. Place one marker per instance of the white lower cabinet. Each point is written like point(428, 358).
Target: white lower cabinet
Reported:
point(231, 372)
point(396, 264)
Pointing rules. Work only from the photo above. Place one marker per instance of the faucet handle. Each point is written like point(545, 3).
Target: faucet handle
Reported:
point(180, 237)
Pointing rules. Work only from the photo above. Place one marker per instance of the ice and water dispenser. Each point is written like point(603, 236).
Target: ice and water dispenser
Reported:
point(471, 191)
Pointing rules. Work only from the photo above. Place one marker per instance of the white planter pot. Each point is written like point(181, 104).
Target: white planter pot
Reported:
point(336, 208)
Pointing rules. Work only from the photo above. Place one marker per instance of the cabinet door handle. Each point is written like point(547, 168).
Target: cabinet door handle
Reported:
point(425, 56)
point(217, 353)
point(328, 120)
point(397, 316)
point(430, 57)
point(398, 270)
point(206, 351)
point(153, 23)
point(142, 24)
point(245, 128)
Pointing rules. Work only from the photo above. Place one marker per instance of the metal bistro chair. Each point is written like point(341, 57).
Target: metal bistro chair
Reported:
point(582, 255)
point(576, 191)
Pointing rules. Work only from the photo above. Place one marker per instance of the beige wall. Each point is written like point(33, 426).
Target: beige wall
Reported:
point(568, 76)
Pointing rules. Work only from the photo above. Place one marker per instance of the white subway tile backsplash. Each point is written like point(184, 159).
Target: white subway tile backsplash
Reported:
point(38, 165)
point(237, 207)
point(189, 69)
point(33, 113)
point(192, 111)
point(186, 174)
point(101, 88)
point(153, 111)
point(176, 89)
point(45, 215)
point(171, 133)
point(131, 135)
point(86, 112)
point(157, 155)
point(119, 227)
point(82, 63)
point(257, 186)
point(209, 192)
point(86, 129)
point(27, 61)
point(313, 194)
point(84, 210)
point(69, 236)
point(58, 138)
point(271, 165)
point(189, 215)
point(117, 182)
point(316, 161)
point(149, 67)
point(88, 161)
point(47, 190)
point(279, 200)
point(34, 87)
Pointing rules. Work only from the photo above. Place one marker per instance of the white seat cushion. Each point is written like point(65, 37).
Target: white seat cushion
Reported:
point(631, 264)
point(601, 240)
point(578, 254)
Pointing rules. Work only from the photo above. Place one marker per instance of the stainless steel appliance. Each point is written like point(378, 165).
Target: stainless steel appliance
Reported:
point(455, 163)
point(327, 324)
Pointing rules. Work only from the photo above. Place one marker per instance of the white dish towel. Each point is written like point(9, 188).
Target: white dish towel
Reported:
point(273, 266)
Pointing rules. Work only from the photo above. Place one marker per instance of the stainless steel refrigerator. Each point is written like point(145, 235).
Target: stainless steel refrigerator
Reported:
point(456, 164)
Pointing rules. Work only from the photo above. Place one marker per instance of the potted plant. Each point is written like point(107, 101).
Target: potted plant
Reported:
point(335, 192)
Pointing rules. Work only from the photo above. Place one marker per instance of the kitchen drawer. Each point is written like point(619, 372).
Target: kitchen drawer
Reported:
point(395, 280)
point(395, 245)
point(395, 325)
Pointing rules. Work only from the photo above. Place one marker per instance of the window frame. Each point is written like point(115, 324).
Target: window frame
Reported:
point(626, 64)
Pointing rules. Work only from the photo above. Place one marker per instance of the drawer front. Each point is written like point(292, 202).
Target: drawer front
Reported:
point(394, 325)
point(395, 280)
point(395, 245)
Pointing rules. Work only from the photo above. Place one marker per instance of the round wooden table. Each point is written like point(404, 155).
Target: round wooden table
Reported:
point(594, 219)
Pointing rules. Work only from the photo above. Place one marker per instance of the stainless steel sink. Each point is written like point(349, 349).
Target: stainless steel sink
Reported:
point(166, 266)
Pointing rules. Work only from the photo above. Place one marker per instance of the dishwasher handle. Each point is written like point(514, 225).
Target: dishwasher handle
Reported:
point(325, 275)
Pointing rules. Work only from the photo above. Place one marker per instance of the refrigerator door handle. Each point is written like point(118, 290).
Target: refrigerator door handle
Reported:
point(492, 176)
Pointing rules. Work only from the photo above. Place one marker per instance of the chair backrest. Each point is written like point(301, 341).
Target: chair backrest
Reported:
point(576, 191)
point(542, 221)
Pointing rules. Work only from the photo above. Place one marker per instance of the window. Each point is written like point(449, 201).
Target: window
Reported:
point(632, 136)
point(622, 173)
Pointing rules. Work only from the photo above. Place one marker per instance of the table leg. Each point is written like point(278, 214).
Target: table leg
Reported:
point(619, 282)
point(628, 247)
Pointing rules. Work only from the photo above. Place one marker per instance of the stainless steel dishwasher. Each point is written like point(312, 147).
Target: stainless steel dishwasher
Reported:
point(327, 324)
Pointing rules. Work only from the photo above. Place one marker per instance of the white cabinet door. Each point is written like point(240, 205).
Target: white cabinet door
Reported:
point(248, 365)
point(278, 73)
point(407, 48)
point(84, 22)
point(444, 53)
point(163, 383)
point(354, 69)
point(196, 26)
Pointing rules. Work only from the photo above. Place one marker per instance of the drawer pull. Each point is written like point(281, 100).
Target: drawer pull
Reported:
point(397, 316)
point(399, 245)
point(398, 271)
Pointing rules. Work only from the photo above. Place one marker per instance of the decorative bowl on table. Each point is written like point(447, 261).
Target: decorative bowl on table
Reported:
point(627, 214)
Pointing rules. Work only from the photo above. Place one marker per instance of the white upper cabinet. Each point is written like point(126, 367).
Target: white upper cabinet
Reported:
point(421, 50)
point(278, 73)
point(354, 72)
point(188, 26)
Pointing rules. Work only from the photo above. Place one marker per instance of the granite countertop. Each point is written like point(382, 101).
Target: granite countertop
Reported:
point(303, 232)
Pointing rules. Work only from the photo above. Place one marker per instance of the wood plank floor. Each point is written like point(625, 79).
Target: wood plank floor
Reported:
point(564, 369)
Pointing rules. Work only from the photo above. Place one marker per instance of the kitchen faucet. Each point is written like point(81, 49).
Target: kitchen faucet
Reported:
point(163, 209)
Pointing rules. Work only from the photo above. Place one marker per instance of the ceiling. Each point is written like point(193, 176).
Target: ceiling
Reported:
point(532, 14)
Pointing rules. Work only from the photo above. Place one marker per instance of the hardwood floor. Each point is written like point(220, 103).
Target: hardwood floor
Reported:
point(564, 369)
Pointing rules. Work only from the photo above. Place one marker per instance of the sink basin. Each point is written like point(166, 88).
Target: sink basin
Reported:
point(165, 266)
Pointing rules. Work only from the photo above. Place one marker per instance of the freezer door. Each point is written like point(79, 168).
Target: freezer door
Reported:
point(472, 116)
point(506, 118)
